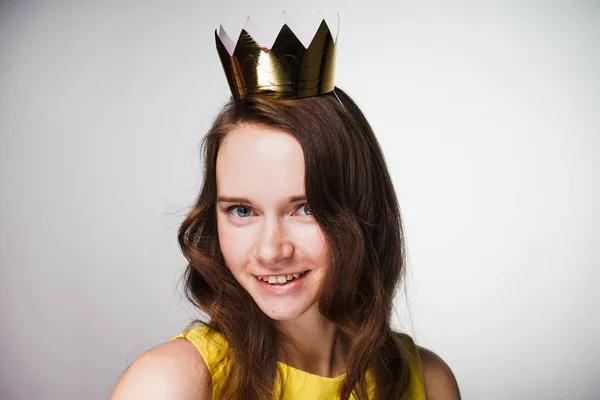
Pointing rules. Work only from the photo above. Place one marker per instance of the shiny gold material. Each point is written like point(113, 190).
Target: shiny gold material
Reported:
point(287, 68)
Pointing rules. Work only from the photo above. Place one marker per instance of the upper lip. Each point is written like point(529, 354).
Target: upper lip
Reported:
point(281, 273)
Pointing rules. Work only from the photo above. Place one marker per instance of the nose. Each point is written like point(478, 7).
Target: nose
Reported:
point(273, 244)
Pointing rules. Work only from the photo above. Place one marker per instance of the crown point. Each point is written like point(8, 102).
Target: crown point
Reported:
point(265, 49)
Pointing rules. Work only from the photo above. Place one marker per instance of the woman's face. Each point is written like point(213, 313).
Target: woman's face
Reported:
point(266, 231)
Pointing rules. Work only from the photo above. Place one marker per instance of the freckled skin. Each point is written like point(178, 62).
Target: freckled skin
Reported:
point(271, 236)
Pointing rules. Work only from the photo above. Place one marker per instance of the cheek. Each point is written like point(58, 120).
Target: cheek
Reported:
point(313, 243)
point(235, 245)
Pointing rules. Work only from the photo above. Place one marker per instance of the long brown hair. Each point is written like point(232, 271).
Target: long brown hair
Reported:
point(352, 198)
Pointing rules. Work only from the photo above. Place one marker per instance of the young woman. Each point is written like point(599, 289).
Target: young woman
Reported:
point(295, 250)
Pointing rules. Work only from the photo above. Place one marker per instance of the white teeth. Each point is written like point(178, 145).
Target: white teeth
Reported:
point(280, 279)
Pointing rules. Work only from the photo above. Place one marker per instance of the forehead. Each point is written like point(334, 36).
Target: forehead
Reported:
point(260, 162)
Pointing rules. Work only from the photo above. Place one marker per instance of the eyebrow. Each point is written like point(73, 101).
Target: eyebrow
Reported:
point(245, 200)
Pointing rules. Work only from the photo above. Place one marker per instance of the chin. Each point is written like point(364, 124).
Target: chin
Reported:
point(281, 310)
point(277, 315)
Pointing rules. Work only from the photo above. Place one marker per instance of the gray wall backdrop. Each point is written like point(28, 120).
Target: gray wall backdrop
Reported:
point(488, 114)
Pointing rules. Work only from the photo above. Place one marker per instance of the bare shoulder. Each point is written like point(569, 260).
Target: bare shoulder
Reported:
point(440, 383)
point(173, 370)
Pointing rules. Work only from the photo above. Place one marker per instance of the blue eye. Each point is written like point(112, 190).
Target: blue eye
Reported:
point(306, 208)
point(241, 211)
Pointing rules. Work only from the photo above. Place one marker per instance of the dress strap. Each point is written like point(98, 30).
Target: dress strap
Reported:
point(416, 386)
point(212, 347)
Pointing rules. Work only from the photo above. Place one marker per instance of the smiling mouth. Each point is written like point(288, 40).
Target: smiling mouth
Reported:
point(281, 279)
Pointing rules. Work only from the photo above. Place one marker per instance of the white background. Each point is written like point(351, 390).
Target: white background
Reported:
point(489, 118)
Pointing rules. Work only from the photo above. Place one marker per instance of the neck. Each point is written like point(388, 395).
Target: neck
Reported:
point(311, 343)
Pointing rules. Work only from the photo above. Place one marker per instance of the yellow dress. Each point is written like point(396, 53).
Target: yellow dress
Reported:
point(299, 385)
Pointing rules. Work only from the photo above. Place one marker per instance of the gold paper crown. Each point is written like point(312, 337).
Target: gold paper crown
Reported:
point(289, 66)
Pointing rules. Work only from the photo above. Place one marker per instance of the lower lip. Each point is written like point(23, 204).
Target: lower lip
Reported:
point(289, 287)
